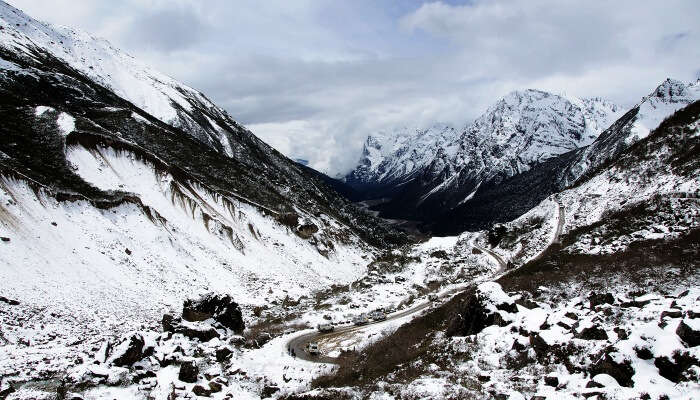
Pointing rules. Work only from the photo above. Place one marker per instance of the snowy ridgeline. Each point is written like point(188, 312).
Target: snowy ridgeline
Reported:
point(523, 128)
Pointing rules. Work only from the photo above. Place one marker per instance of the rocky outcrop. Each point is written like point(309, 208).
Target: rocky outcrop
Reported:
point(487, 305)
point(218, 307)
point(188, 372)
point(131, 350)
point(689, 333)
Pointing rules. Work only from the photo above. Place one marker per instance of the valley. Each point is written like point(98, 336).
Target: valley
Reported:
point(152, 247)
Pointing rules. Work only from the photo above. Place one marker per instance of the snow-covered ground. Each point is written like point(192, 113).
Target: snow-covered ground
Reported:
point(113, 270)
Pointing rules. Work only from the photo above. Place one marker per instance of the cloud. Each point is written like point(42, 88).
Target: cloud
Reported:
point(314, 78)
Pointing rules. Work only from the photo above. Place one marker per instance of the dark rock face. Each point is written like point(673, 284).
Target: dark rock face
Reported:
point(540, 346)
point(9, 301)
point(200, 390)
point(269, 391)
point(678, 369)
point(204, 333)
point(593, 333)
point(168, 323)
point(622, 372)
point(439, 254)
point(188, 372)
point(223, 354)
point(598, 299)
point(643, 353)
point(135, 351)
point(551, 381)
point(473, 317)
point(221, 308)
point(688, 334)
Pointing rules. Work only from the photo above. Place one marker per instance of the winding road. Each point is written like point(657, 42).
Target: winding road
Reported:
point(299, 343)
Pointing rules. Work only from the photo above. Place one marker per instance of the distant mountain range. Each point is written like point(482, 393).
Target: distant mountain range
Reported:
point(526, 146)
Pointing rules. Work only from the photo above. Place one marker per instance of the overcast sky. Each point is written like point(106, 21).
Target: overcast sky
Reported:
point(314, 78)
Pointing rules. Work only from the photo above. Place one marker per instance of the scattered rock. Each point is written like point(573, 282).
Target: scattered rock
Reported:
point(221, 308)
point(168, 323)
point(635, 303)
point(594, 384)
point(476, 311)
point(306, 231)
point(688, 333)
point(622, 333)
point(598, 299)
point(571, 315)
point(439, 254)
point(188, 372)
point(195, 330)
point(128, 252)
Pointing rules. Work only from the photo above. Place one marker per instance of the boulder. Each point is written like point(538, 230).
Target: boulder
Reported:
point(200, 390)
point(540, 345)
point(621, 371)
point(268, 391)
point(482, 307)
point(219, 307)
point(223, 354)
point(592, 333)
point(678, 369)
point(215, 387)
point(689, 332)
point(168, 323)
point(188, 372)
point(551, 381)
point(132, 349)
point(671, 314)
point(603, 298)
point(197, 330)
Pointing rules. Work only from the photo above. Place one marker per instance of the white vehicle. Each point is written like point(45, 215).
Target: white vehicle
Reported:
point(377, 315)
point(360, 320)
point(325, 327)
point(312, 348)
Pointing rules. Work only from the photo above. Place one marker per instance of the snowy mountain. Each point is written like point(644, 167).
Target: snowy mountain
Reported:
point(392, 157)
point(123, 192)
point(511, 197)
point(427, 174)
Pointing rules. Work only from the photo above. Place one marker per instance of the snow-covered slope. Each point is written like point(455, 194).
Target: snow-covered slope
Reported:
point(156, 93)
point(122, 192)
